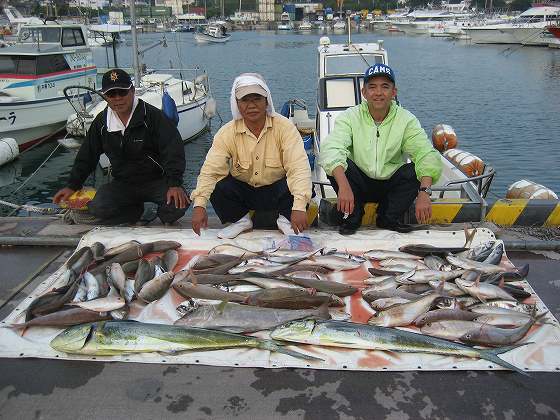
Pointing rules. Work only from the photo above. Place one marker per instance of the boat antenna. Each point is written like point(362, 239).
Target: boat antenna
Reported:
point(135, 61)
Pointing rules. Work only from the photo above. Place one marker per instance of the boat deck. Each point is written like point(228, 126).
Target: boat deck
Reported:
point(45, 389)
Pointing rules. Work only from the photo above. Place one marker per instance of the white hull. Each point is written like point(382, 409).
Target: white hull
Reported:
point(490, 36)
point(34, 119)
point(205, 38)
point(533, 36)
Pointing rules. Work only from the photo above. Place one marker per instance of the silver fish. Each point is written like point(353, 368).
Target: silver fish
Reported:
point(380, 254)
point(433, 262)
point(480, 252)
point(527, 308)
point(444, 315)
point(404, 314)
point(332, 262)
point(449, 289)
point(449, 329)
point(483, 291)
point(383, 304)
point(425, 276)
point(156, 288)
point(92, 286)
point(169, 259)
point(467, 264)
point(401, 262)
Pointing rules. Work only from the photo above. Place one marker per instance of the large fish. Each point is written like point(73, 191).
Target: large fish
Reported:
point(369, 337)
point(156, 288)
point(426, 276)
point(237, 318)
point(108, 338)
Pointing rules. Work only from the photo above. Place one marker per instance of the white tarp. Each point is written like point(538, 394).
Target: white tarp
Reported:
point(543, 355)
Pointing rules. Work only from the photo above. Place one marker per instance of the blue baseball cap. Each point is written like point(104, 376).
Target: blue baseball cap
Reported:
point(379, 69)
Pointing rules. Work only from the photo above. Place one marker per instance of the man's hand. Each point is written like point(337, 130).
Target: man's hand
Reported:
point(299, 221)
point(63, 195)
point(178, 196)
point(345, 199)
point(199, 219)
point(423, 207)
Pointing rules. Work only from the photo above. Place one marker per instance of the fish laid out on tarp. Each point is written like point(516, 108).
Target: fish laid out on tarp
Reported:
point(109, 338)
point(237, 318)
point(369, 337)
point(422, 250)
point(65, 318)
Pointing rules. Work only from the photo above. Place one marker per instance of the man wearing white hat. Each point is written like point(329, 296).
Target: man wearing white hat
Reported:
point(257, 162)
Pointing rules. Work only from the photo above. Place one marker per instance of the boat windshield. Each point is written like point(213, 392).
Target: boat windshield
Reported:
point(350, 64)
point(34, 35)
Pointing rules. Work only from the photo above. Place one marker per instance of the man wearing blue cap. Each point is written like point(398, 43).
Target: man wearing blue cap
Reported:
point(365, 158)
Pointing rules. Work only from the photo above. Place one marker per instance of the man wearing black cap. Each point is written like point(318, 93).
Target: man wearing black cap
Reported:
point(146, 154)
point(365, 158)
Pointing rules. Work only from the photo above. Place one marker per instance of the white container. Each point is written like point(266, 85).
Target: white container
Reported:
point(530, 190)
point(9, 150)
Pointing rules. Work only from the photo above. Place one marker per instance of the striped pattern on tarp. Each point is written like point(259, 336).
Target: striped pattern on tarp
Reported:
point(503, 212)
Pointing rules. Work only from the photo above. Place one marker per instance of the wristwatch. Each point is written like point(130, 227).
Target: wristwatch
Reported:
point(427, 190)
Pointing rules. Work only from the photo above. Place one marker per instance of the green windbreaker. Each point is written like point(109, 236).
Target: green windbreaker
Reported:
point(400, 135)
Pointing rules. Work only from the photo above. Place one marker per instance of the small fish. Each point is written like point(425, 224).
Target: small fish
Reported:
point(116, 277)
point(145, 272)
point(449, 329)
point(426, 276)
point(169, 259)
point(404, 314)
point(155, 288)
point(444, 315)
point(497, 306)
point(129, 293)
point(64, 318)
point(383, 304)
point(467, 264)
point(483, 291)
point(380, 254)
point(480, 252)
point(202, 291)
point(98, 249)
point(111, 252)
point(162, 246)
point(106, 304)
point(449, 289)
point(401, 262)
point(332, 262)
point(92, 286)
point(422, 250)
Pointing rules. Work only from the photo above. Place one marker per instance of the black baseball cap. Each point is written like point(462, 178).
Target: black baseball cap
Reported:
point(115, 79)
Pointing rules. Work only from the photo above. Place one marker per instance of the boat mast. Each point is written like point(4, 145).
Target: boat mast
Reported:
point(135, 62)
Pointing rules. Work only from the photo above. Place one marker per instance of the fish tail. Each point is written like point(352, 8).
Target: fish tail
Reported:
point(323, 311)
point(492, 356)
point(274, 346)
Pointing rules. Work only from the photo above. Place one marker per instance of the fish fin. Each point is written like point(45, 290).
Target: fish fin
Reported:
point(222, 306)
point(477, 281)
point(492, 356)
point(279, 348)
point(323, 311)
point(192, 277)
point(501, 282)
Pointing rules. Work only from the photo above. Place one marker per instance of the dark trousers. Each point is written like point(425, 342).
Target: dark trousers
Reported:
point(121, 202)
point(232, 199)
point(394, 195)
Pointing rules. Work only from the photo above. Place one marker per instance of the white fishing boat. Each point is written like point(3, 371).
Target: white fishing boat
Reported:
point(33, 73)
point(192, 98)
point(285, 23)
point(106, 34)
point(529, 28)
point(420, 22)
point(212, 34)
point(305, 26)
point(339, 26)
point(340, 79)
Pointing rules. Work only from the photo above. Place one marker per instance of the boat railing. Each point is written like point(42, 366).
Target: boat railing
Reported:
point(482, 183)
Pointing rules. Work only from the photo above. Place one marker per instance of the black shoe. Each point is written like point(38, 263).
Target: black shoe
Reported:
point(396, 226)
point(351, 224)
point(348, 229)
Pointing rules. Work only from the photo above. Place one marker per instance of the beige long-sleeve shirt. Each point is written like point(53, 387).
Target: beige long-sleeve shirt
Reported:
point(278, 152)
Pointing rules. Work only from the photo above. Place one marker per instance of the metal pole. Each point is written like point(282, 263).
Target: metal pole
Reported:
point(135, 62)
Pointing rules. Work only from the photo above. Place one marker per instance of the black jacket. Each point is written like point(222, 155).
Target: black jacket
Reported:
point(151, 148)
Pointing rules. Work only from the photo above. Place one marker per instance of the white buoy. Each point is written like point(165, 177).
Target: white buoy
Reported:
point(9, 150)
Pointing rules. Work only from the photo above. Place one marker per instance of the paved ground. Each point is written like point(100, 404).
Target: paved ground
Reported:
point(48, 389)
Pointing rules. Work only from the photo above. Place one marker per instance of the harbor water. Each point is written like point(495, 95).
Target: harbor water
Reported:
point(502, 101)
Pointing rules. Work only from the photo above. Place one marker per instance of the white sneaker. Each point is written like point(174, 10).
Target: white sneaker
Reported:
point(285, 226)
point(242, 225)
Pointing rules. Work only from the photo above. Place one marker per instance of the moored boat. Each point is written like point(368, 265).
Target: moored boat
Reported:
point(47, 58)
point(214, 33)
